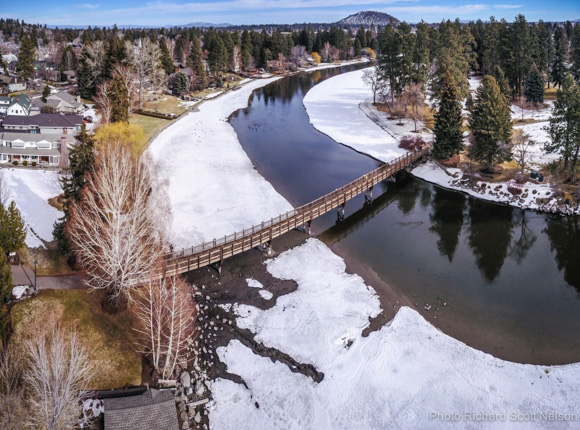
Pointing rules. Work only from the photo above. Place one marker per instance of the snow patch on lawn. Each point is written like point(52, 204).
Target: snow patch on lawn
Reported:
point(19, 291)
point(267, 295)
point(394, 378)
point(253, 283)
point(214, 189)
point(30, 189)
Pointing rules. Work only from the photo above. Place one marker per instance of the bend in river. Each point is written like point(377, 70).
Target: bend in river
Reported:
point(500, 279)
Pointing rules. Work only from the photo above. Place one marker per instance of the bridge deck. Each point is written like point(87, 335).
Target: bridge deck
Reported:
point(183, 261)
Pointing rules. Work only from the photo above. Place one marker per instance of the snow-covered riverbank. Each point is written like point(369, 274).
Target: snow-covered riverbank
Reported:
point(30, 189)
point(214, 189)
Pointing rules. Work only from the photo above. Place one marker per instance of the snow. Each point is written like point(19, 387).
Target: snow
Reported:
point(400, 376)
point(495, 192)
point(212, 95)
point(540, 114)
point(213, 187)
point(333, 108)
point(18, 291)
point(253, 283)
point(266, 295)
point(30, 190)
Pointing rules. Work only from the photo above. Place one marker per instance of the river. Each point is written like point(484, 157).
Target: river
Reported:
point(500, 279)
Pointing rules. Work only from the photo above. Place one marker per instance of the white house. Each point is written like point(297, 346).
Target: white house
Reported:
point(19, 105)
point(41, 149)
point(4, 103)
point(12, 84)
point(61, 102)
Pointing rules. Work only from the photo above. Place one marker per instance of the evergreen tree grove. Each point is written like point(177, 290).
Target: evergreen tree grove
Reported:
point(12, 229)
point(5, 291)
point(26, 57)
point(448, 121)
point(534, 86)
point(491, 125)
point(502, 81)
point(196, 63)
point(119, 100)
point(166, 61)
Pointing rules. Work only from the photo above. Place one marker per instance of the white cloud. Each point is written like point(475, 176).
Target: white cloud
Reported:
point(507, 6)
point(88, 5)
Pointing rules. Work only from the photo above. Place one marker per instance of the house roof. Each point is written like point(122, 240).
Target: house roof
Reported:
point(22, 100)
point(35, 137)
point(151, 410)
point(28, 151)
point(44, 120)
point(5, 100)
point(63, 95)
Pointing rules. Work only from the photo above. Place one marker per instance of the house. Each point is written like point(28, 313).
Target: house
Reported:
point(4, 103)
point(153, 409)
point(11, 84)
point(44, 123)
point(19, 106)
point(70, 75)
point(63, 102)
point(42, 149)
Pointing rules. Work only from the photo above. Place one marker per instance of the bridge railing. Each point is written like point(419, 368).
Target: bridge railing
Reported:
point(398, 163)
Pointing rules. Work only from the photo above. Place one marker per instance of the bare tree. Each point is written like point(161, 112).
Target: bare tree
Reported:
point(57, 372)
point(114, 228)
point(415, 98)
point(125, 74)
point(96, 51)
point(325, 52)
point(299, 55)
point(166, 313)
point(237, 59)
point(5, 193)
point(372, 79)
point(144, 59)
point(103, 101)
point(522, 145)
point(13, 412)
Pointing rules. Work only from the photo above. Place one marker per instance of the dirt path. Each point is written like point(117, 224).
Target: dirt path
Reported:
point(22, 275)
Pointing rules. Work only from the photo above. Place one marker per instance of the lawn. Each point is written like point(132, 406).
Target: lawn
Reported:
point(109, 338)
point(150, 125)
point(164, 104)
point(50, 261)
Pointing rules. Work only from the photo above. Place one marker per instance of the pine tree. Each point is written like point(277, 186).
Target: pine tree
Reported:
point(45, 93)
point(448, 121)
point(6, 286)
point(85, 76)
point(81, 161)
point(559, 64)
point(166, 61)
point(491, 125)
point(469, 102)
point(196, 63)
point(12, 228)
point(247, 49)
point(502, 81)
point(115, 54)
point(26, 56)
point(389, 60)
point(534, 87)
point(119, 100)
point(357, 48)
point(179, 84)
point(564, 127)
point(575, 53)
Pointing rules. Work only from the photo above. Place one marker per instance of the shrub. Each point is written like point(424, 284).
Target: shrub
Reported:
point(15, 162)
point(411, 143)
point(25, 163)
point(34, 164)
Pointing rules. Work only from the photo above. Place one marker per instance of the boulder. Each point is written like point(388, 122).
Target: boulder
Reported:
point(185, 379)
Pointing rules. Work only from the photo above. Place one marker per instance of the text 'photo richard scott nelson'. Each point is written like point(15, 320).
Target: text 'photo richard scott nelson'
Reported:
point(506, 416)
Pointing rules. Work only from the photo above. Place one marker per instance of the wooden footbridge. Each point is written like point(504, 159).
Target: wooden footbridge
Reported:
point(261, 235)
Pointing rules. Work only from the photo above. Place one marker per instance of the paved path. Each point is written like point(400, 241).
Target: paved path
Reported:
point(22, 275)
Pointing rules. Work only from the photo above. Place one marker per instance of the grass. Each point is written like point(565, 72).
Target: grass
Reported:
point(109, 339)
point(164, 104)
point(50, 261)
point(150, 125)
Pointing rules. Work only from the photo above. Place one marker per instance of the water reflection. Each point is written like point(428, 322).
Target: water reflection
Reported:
point(564, 235)
point(447, 220)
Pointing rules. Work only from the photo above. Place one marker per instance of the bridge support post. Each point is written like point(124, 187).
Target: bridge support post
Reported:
point(307, 227)
point(218, 267)
point(369, 196)
point(340, 212)
point(266, 248)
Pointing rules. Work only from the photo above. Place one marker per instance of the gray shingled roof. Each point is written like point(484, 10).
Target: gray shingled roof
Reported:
point(151, 410)
point(21, 99)
point(44, 120)
point(37, 137)
point(66, 97)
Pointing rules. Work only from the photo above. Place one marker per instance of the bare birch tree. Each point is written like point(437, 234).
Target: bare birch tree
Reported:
point(5, 193)
point(325, 52)
point(144, 59)
point(166, 314)
point(414, 98)
point(103, 102)
point(125, 74)
point(114, 229)
point(522, 146)
point(57, 372)
point(13, 412)
point(372, 79)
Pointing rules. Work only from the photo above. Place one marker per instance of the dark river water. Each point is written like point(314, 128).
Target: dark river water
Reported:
point(500, 279)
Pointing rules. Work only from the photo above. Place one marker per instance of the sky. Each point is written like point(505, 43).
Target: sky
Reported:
point(179, 12)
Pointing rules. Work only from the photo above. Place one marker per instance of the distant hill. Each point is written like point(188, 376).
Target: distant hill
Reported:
point(367, 17)
point(204, 24)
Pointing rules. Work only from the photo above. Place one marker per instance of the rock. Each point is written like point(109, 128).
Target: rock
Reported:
point(197, 418)
point(185, 379)
point(199, 389)
point(181, 406)
point(183, 417)
point(185, 425)
point(188, 391)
